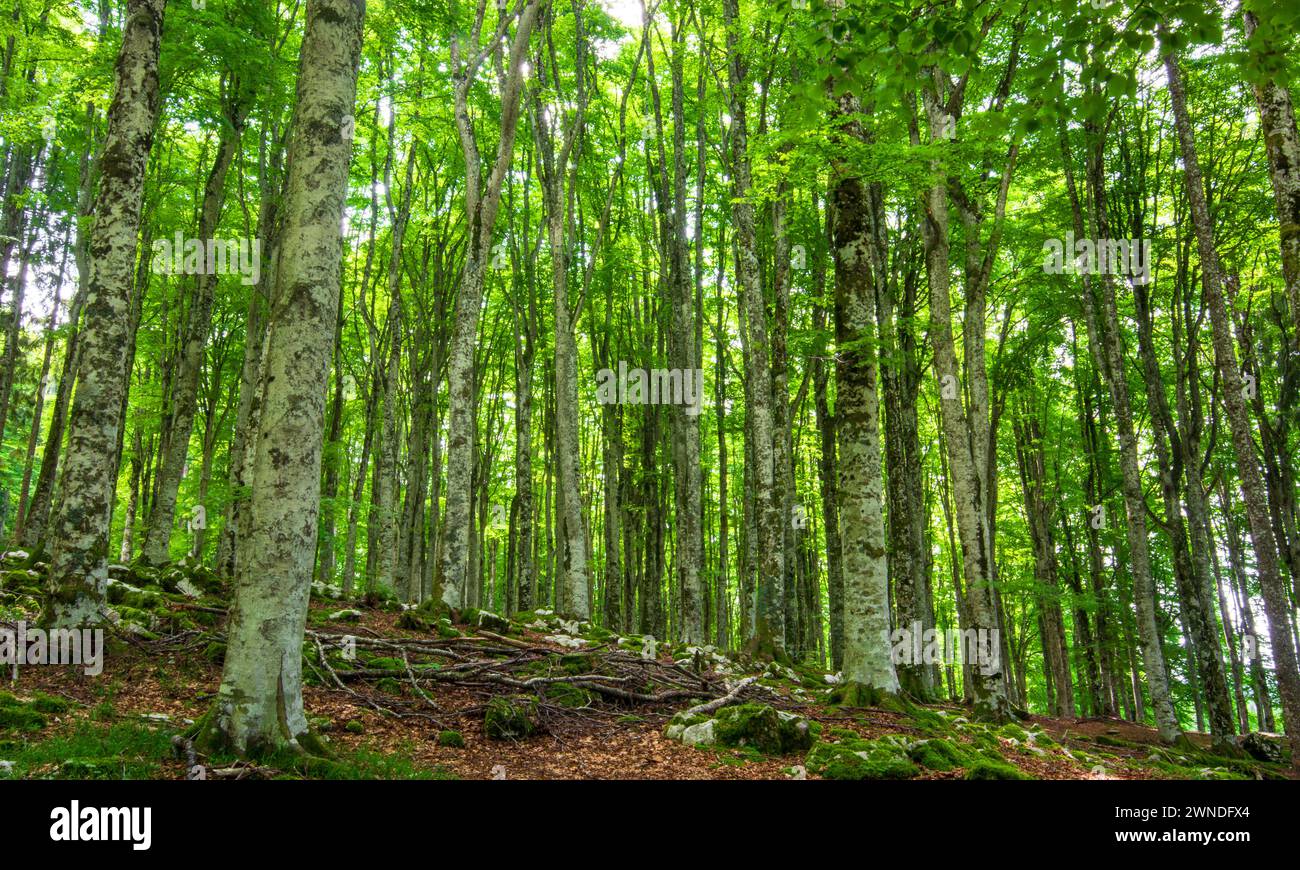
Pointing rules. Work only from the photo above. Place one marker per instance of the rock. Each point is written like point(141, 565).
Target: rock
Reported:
point(566, 641)
point(762, 727)
point(492, 622)
point(1263, 746)
point(348, 615)
point(860, 760)
point(700, 735)
point(425, 617)
point(680, 722)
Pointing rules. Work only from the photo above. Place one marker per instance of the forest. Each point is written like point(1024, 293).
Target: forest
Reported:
point(667, 389)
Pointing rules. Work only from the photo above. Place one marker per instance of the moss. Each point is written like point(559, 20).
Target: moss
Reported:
point(361, 764)
point(762, 727)
point(1107, 740)
point(937, 754)
point(215, 652)
point(851, 694)
point(88, 750)
point(568, 695)
point(928, 722)
point(1042, 739)
point(1013, 731)
point(859, 760)
point(386, 663)
point(424, 617)
point(389, 685)
point(577, 663)
point(20, 717)
point(453, 739)
point(355, 727)
point(995, 770)
point(598, 634)
point(510, 718)
point(43, 703)
point(491, 622)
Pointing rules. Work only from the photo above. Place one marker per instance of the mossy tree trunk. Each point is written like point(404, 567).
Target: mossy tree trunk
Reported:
point(259, 704)
point(78, 564)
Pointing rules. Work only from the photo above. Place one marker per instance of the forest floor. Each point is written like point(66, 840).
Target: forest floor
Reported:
point(415, 695)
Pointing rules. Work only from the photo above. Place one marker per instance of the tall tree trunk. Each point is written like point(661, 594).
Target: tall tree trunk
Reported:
point(482, 197)
point(185, 388)
point(1272, 585)
point(769, 618)
point(78, 571)
point(964, 433)
point(259, 707)
point(869, 676)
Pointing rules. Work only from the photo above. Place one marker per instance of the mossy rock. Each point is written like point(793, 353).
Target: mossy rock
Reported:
point(860, 760)
point(937, 754)
point(1012, 731)
point(492, 622)
point(16, 580)
point(763, 727)
point(928, 721)
point(1271, 748)
point(414, 620)
point(320, 723)
point(568, 695)
point(425, 617)
point(507, 718)
point(389, 686)
point(1042, 739)
point(597, 634)
point(453, 739)
point(355, 727)
point(987, 769)
point(677, 726)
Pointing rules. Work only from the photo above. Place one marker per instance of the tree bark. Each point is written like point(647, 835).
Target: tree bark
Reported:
point(259, 703)
point(78, 566)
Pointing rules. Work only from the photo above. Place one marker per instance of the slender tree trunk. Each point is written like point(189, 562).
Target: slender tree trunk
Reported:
point(1273, 587)
point(769, 619)
point(482, 198)
point(184, 397)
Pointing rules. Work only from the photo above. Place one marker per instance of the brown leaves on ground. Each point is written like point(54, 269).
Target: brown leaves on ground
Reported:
point(605, 740)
